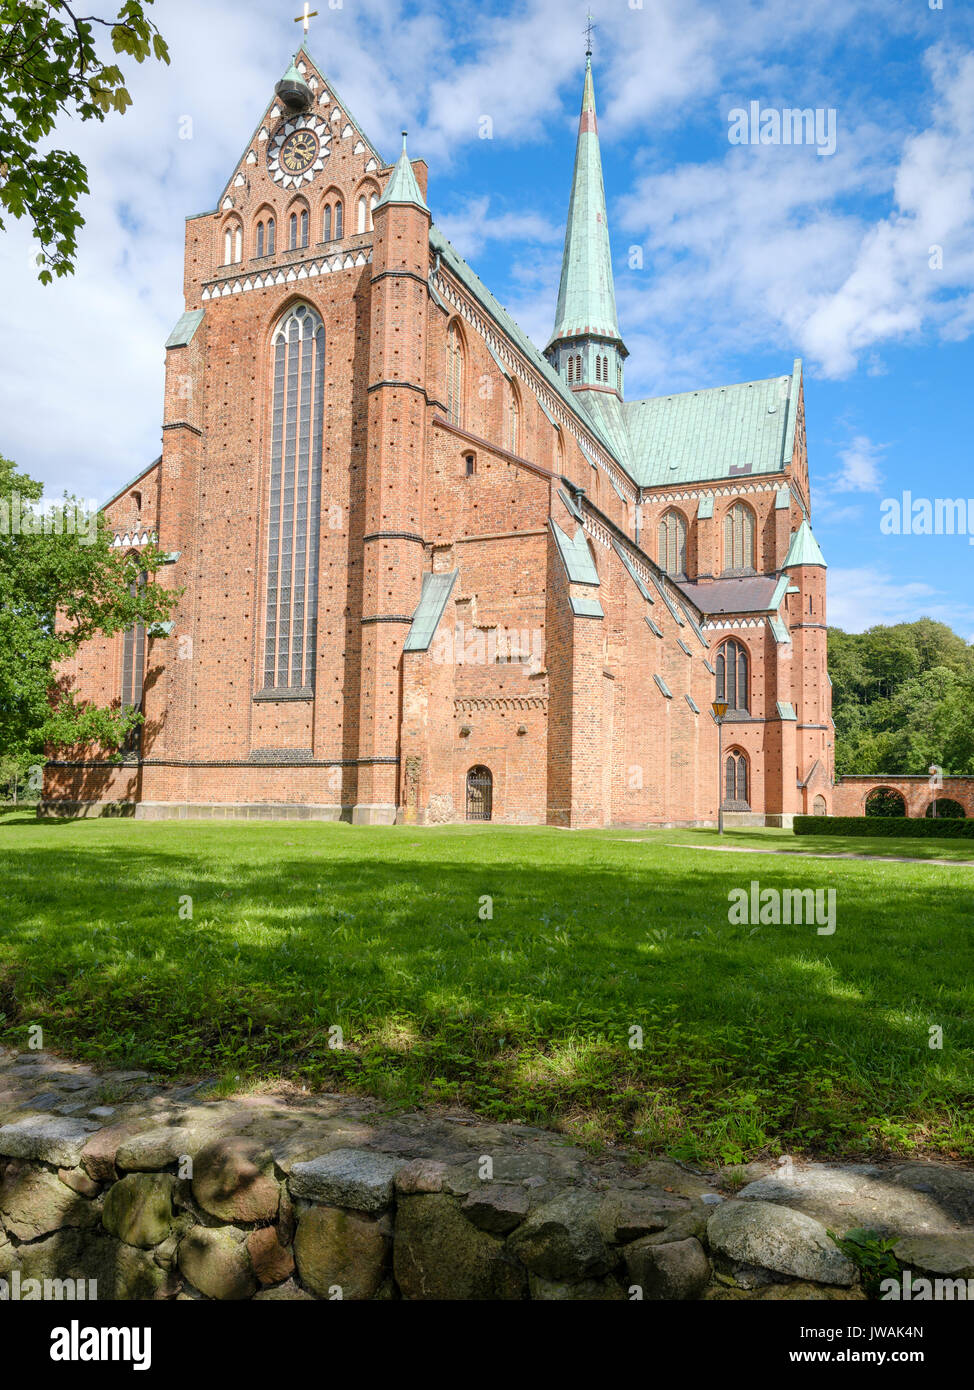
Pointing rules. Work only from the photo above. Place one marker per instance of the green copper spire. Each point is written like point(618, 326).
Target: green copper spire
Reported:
point(402, 186)
point(586, 296)
point(804, 549)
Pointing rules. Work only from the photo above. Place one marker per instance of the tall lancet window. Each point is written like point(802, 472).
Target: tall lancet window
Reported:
point(515, 421)
point(673, 543)
point(133, 669)
point(454, 376)
point(739, 538)
point(297, 415)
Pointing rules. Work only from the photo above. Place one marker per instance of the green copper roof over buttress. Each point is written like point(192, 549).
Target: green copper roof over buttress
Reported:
point(402, 186)
point(586, 295)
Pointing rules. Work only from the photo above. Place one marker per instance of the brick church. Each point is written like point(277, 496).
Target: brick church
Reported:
point(428, 572)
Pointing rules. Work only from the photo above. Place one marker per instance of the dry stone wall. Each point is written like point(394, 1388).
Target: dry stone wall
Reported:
point(143, 1192)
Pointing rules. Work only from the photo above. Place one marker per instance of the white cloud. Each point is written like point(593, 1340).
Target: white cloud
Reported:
point(475, 223)
point(860, 466)
point(771, 241)
point(859, 598)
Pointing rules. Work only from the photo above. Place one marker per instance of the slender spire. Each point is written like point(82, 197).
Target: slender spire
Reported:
point(586, 295)
point(402, 186)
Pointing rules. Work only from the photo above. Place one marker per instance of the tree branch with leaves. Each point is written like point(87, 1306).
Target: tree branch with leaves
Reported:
point(51, 69)
point(58, 590)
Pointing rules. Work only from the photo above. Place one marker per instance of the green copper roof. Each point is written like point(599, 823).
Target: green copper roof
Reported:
point(437, 589)
point(186, 326)
point(586, 296)
point(700, 436)
point(576, 555)
point(402, 186)
point(633, 573)
point(804, 549)
point(586, 607)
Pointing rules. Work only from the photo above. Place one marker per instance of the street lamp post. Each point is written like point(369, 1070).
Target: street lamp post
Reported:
point(719, 708)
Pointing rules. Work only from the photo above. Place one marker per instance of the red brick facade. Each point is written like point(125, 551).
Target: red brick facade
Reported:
point(583, 718)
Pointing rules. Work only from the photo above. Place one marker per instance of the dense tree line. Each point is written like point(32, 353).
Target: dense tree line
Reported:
point(902, 699)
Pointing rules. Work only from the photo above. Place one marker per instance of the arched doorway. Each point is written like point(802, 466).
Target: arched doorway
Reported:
point(819, 807)
point(884, 801)
point(480, 793)
point(945, 809)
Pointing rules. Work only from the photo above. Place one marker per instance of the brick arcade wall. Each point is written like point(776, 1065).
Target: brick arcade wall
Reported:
point(851, 793)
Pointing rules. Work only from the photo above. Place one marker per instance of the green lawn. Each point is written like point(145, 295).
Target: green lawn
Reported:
point(755, 1038)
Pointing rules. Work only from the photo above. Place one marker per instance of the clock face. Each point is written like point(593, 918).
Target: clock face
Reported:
point(298, 150)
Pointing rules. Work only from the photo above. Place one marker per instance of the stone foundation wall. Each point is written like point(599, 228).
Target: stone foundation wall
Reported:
point(158, 1194)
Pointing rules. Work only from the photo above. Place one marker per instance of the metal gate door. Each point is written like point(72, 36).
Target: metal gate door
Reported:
point(480, 793)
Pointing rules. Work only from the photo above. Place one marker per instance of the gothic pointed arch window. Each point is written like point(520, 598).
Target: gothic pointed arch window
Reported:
point(339, 217)
point(133, 667)
point(294, 509)
point(326, 223)
point(736, 781)
point(733, 676)
point(259, 249)
point(739, 540)
point(454, 375)
point(363, 213)
point(232, 243)
point(304, 228)
point(514, 432)
point(271, 234)
point(672, 536)
point(292, 232)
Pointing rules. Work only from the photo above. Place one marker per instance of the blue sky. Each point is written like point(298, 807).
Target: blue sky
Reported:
point(750, 254)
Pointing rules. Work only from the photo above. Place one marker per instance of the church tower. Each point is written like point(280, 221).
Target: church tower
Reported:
point(586, 347)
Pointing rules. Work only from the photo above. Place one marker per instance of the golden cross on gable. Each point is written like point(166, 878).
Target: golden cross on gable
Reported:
point(307, 17)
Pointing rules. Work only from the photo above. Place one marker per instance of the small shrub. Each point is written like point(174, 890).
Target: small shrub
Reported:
point(872, 1254)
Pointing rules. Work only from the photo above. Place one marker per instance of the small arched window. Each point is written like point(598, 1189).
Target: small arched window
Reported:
point(673, 543)
point(571, 367)
point(736, 781)
point(270, 236)
point(454, 376)
point(578, 367)
point(373, 202)
point(326, 223)
point(259, 250)
point(292, 232)
point(339, 218)
point(363, 213)
point(515, 421)
point(598, 368)
point(732, 676)
point(238, 244)
point(739, 539)
point(304, 228)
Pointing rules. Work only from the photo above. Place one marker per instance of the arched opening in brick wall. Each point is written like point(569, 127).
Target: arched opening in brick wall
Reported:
point(944, 808)
point(820, 806)
point(885, 801)
point(480, 793)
